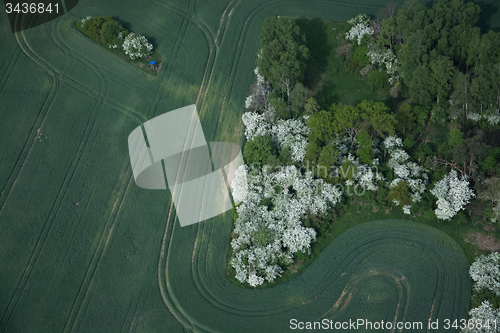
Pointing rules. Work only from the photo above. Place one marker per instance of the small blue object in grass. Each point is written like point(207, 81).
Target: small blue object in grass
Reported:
point(152, 62)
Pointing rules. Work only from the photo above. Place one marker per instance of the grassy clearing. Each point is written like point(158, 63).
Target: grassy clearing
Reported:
point(326, 75)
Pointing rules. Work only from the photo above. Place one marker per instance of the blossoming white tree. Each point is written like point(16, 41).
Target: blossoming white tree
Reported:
point(360, 27)
point(358, 31)
point(485, 272)
point(292, 134)
point(387, 59)
point(483, 319)
point(405, 171)
point(268, 236)
point(136, 46)
point(258, 98)
point(453, 194)
point(255, 124)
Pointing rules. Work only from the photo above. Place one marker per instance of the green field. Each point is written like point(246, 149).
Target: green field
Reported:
point(83, 249)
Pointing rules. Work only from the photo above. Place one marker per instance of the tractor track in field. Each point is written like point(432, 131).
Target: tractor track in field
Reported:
point(81, 301)
point(9, 68)
point(58, 202)
point(12, 179)
point(165, 290)
point(40, 119)
point(77, 310)
point(167, 73)
point(75, 313)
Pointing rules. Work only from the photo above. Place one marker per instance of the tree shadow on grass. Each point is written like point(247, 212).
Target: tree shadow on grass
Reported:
point(128, 26)
point(326, 96)
point(317, 43)
point(488, 10)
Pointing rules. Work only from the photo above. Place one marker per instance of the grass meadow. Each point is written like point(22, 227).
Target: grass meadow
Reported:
point(83, 249)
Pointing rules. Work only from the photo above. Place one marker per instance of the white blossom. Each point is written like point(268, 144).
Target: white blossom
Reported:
point(493, 119)
point(474, 116)
point(387, 59)
point(453, 194)
point(292, 134)
point(136, 46)
point(485, 271)
point(252, 259)
point(483, 319)
point(255, 124)
point(239, 185)
point(84, 21)
point(358, 31)
point(404, 170)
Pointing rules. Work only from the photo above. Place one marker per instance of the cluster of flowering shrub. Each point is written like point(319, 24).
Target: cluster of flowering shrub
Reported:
point(387, 60)
point(453, 194)
point(268, 228)
point(358, 31)
point(271, 203)
point(268, 235)
point(491, 118)
point(405, 171)
point(485, 272)
point(363, 175)
point(379, 56)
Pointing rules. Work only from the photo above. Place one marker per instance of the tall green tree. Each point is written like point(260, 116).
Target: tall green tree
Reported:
point(419, 86)
point(328, 157)
point(440, 83)
point(321, 127)
point(365, 153)
point(387, 35)
point(379, 119)
point(298, 99)
point(405, 119)
point(348, 120)
point(283, 57)
point(259, 149)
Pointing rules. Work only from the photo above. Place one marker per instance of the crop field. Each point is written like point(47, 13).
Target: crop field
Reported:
point(83, 249)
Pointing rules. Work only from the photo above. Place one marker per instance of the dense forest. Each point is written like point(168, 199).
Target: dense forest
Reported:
point(431, 149)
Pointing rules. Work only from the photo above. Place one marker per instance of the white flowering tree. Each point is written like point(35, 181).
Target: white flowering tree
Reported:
point(387, 59)
point(136, 46)
point(360, 27)
point(255, 125)
point(410, 173)
point(358, 31)
point(292, 134)
point(258, 98)
point(453, 195)
point(359, 177)
point(268, 236)
point(483, 319)
point(485, 271)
